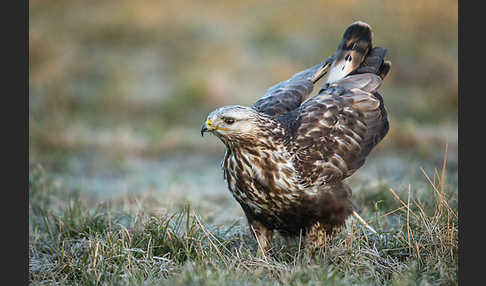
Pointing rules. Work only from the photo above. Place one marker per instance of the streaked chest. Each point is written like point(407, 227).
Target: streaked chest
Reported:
point(261, 179)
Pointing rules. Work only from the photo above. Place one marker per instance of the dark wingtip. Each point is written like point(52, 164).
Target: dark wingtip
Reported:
point(358, 30)
point(373, 63)
point(352, 51)
point(385, 69)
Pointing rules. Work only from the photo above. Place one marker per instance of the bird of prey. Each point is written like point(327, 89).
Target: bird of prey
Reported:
point(287, 155)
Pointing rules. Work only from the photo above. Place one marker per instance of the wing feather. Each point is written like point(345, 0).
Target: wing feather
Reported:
point(337, 129)
point(288, 95)
point(354, 55)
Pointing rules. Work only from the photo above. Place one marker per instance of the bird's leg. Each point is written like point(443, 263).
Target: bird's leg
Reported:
point(288, 241)
point(263, 236)
point(317, 236)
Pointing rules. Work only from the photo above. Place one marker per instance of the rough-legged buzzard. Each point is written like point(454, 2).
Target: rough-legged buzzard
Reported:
point(287, 154)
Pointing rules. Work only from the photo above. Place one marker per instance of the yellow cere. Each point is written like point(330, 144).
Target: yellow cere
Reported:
point(209, 124)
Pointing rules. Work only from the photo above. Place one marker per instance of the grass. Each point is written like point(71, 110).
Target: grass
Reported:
point(74, 240)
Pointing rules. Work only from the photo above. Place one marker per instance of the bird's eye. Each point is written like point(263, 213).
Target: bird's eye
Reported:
point(355, 46)
point(229, 121)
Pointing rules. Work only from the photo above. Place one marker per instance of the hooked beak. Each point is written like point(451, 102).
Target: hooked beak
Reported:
point(206, 127)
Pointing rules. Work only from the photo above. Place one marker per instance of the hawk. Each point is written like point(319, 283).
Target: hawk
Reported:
point(287, 155)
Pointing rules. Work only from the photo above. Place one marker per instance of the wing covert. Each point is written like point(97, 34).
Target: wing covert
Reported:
point(288, 95)
point(337, 129)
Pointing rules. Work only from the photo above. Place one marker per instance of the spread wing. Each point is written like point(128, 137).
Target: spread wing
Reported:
point(334, 131)
point(288, 95)
point(354, 48)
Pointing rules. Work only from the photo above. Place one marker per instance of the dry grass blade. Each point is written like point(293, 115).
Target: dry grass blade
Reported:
point(443, 175)
point(408, 218)
point(440, 190)
point(401, 201)
point(209, 235)
point(362, 221)
point(388, 213)
point(261, 251)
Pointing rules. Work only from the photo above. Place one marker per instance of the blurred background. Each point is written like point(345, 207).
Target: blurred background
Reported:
point(118, 90)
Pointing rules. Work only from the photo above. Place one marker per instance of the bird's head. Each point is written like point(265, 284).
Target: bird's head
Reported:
point(232, 122)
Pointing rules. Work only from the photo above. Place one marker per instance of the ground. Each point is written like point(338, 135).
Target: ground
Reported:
point(182, 231)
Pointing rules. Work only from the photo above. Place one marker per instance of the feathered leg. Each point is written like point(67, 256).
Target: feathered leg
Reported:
point(333, 206)
point(317, 235)
point(263, 236)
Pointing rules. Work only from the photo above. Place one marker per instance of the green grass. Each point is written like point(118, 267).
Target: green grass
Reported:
point(74, 240)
